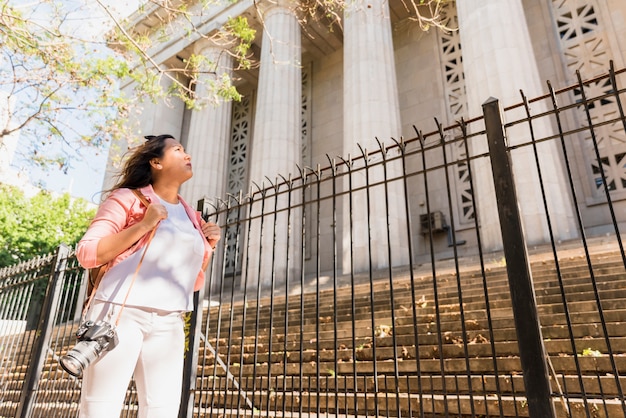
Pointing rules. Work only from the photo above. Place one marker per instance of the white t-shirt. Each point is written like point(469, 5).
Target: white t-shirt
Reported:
point(168, 273)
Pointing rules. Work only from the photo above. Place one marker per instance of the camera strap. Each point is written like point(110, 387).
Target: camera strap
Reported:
point(146, 203)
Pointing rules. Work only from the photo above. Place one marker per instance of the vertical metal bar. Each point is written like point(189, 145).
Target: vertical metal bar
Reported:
point(602, 395)
point(458, 396)
point(485, 397)
point(334, 266)
point(346, 407)
point(433, 407)
point(408, 397)
point(277, 395)
point(216, 349)
point(326, 394)
point(442, 364)
point(387, 395)
point(514, 396)
point(457, 271)
point(470, 176)
point(245, 301)
point(527, 326)
point(258, 298)
point(296, 398)
point(365, 392)
point(289, 184)
point(43, 396)
point(229, 344)
point(317, 298)
point(302, 322)
point(371, 276)
point(309, 393)
point(303, 225)
point(272, 296)
point(409, 237)
point(394, 334)
point(202, 377)
point(236, 391)
point(567, 394)
point(303, 229)
point(348, 165)
point(235, 250)
point(45, 326)
point(72, 291)
point(190, 370)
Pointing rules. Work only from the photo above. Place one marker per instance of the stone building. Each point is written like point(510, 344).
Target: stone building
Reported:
point(319, 93)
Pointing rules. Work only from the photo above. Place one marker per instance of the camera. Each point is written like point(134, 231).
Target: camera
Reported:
point(94, 339)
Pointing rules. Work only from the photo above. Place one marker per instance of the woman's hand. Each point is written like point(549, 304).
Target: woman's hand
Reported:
point(212, 232)
point(154, 214)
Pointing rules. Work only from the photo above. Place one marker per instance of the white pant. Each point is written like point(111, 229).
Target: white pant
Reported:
point(151, 345)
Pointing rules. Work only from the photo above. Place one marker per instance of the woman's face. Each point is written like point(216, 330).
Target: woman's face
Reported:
point(175, 163)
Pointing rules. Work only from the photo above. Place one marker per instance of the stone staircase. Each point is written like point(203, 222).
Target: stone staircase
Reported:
point(291, 355)
point(324, 363)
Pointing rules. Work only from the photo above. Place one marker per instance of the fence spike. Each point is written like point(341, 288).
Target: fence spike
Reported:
point(363, 152)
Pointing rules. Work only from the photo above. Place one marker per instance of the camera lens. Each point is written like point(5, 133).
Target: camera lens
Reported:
point(79, 357)
point(72, 365)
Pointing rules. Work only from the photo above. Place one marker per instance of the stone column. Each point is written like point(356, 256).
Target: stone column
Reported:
point(276, 144)
point(371, 107)
point(371, 110)
point(498, 61)
point(209, 132)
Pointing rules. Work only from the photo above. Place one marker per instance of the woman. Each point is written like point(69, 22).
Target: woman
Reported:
point(150, 327)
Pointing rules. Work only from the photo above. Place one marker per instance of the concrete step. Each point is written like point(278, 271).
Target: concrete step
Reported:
point(273, 403)
point(583, 289)
point(452, 366)
point(452, 345)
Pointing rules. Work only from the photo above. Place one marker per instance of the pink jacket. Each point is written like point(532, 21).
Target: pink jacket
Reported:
point(121, 210)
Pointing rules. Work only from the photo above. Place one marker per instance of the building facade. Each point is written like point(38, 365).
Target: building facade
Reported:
point(318, 93)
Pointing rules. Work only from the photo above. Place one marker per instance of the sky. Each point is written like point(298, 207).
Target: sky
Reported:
point(86, 172)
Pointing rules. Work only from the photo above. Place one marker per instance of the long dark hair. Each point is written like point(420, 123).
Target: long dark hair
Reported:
point(136, 172)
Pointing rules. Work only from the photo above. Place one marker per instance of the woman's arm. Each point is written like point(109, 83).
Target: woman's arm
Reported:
point(108, 236)
point(113, 245)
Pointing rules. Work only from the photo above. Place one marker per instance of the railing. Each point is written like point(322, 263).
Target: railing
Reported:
point(475, 270)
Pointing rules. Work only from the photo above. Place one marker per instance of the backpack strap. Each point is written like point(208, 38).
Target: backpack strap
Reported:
point(141, 197)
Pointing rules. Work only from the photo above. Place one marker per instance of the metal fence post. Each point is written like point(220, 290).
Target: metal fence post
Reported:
point(190, 371)
point(45, 326)
point(527, 326)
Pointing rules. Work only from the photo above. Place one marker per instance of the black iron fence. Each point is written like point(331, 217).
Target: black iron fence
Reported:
point(474, 270)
